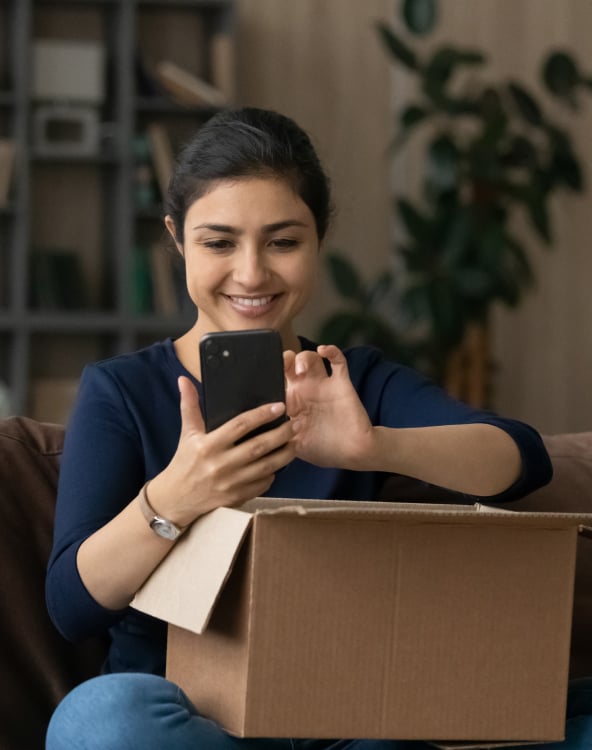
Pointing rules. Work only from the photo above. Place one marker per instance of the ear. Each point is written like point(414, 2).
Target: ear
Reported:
point(170, 225)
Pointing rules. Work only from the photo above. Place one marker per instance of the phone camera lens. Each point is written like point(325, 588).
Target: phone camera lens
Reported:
point(212, 347)
point(213, 360)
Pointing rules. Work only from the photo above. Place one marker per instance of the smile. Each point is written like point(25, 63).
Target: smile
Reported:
point(251, 301)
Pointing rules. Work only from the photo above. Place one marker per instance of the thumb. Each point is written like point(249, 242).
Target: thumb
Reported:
point(191, 419)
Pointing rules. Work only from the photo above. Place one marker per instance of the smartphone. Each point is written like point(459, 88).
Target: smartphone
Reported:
point(241, 370)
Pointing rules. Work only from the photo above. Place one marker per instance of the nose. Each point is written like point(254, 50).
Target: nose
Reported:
point(250, 270)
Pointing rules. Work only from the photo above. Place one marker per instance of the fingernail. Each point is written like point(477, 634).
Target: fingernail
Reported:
point(278, 408)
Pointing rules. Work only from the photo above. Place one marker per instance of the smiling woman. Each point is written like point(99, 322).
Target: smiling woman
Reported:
point(248, 208)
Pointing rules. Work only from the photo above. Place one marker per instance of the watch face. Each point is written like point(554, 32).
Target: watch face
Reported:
point(163, 528)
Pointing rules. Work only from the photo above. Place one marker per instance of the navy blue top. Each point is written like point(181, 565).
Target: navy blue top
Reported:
point(125, 428)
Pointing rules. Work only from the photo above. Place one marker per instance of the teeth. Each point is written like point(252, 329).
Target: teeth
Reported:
point(252, 301)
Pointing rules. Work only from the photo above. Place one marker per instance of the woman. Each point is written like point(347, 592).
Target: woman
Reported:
point(247, 208)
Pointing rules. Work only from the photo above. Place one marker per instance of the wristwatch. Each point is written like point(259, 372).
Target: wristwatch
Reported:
point(162, 527)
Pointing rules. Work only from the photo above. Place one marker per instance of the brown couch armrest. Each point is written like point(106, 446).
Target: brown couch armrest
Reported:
point(38, 665)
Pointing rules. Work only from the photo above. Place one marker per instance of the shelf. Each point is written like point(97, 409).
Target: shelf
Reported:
point(82, 321)
point(88, 3)
point(162, 106)
point(103, 208)
point(203, 4)
point(98, 159)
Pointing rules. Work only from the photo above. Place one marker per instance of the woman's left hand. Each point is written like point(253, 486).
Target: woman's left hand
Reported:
point(331, 426)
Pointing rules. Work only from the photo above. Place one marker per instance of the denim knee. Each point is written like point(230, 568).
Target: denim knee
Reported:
point(118, 712)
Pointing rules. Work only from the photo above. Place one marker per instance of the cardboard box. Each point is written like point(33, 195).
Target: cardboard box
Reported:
point(372, 620)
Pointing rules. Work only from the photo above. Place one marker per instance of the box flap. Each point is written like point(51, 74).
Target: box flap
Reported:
point(185, 586)
point(403, 512)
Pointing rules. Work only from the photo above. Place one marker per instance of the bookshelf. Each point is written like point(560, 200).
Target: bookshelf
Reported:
point(81, 233)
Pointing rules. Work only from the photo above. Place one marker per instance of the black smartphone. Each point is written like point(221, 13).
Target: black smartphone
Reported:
point(241, 370)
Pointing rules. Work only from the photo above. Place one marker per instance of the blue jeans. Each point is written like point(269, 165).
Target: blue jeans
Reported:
point(145, 712)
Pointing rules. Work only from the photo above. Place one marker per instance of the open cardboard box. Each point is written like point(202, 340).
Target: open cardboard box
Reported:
point(300, 618)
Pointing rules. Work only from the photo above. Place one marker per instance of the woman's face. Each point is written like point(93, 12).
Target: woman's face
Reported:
point(251, 255)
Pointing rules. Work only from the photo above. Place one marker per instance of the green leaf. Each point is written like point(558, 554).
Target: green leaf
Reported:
point(442, 168)
point(345, 277)
point(520, 153)
point(473, 282)
point(416, 225)
point(442, 64)
point(419, 15)
point(560, 74)
point(539, 215)
point(527, 105)
point(455, 240)
point(470, 57)
point(397, 48)
point(564, 166)
point(568, 171)
point(415, 256)
point(447, 314)
point(412, 116)
point(517, 259)
point(438, 71)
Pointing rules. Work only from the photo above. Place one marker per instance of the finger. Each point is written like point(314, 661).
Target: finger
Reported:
point(264, 467)
point(335, 356)
point(236, 428)
point(191, 418)
point(289, 362)
point(265, 443)
point(309, 362)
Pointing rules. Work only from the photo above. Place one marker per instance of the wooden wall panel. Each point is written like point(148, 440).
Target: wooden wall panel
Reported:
point(320, 62)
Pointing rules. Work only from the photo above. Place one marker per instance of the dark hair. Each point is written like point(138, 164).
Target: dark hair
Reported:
point(248, 142)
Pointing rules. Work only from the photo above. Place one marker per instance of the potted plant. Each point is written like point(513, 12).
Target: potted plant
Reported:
point(491, 151)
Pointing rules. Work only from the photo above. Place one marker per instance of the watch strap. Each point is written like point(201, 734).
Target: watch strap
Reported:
point(151, 515)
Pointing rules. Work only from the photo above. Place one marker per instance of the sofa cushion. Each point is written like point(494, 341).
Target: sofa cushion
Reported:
point(38, 665)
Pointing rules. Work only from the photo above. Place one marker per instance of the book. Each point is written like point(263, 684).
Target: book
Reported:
point(223, 64)
point(163, 281)
point(162, 155)
point(7, 156)
point(187, 89)
point(57, 281)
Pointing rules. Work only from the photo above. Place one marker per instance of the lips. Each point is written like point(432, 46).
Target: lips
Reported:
point(251, 301)
point(252, 307)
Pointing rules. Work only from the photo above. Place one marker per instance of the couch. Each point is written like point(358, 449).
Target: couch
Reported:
point(39, 666)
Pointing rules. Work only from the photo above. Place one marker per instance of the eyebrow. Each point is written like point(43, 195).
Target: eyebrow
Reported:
point(267, 228)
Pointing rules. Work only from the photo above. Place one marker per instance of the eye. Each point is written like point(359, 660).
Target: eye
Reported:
point(219, 245)
point(284, 243)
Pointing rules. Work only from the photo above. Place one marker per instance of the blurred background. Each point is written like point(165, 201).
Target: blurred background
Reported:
point(455, 134)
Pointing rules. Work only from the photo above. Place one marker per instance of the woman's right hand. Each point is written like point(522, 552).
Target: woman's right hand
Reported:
point(210, 470)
